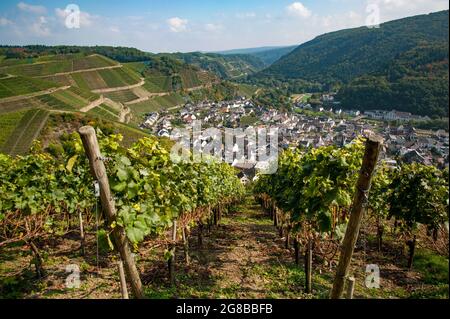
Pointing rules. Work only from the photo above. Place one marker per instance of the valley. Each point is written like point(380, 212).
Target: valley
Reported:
point(269, 172)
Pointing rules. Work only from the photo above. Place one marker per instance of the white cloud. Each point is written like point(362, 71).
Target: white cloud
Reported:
point(86, 19)
point(40, 27)
point(245, 15)
point(177, 24)
point(31, 8)
point(211, 27)
point(297, 9)
point(114, 29)
point(395, 9)
point(4, 22)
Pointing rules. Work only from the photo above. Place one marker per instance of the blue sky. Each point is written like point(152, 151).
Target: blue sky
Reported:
point(195, 25)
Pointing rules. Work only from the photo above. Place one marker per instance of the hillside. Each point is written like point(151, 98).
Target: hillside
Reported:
point(268, 55)
point(395, 53)
point(416, 81)
point(37, 83)
point(344, 55)
point(224, 66)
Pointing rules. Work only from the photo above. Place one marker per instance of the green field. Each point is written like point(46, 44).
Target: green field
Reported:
point(122, 96)
point(21, 86)
point(8, 123)
point(28, 129)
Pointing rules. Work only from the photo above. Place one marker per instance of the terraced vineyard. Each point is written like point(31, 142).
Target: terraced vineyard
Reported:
point(247, 90)
point(54, 103)
point(155, 104)
point(122, 96)
point(41, 69)
point(57, 64)
point(206, 77)
point(23, 104)
point(189, 79)
point(15, 86)
point(119, 77)
point(85, 94)
point(103, 79)
point(69, 100)
point(64, 79)
point(92, 62)
point(158, 84)
point(105, 112)
point(29, 127)
point(8, 123)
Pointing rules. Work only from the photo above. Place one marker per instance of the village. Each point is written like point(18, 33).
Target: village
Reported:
point(306, 127)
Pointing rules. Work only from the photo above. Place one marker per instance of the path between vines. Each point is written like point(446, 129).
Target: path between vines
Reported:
point(244, 243)
point(243, 257)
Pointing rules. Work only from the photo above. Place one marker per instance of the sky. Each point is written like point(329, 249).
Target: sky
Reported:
point(193, 25)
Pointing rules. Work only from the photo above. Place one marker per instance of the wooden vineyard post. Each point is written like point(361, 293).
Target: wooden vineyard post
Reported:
point(350, 287)
point(98, 171)
point(297, 251)
point(123, 282)
point(373, 146)
point(200, 234)
point(82, 237)
point(171, 261)
point(308, 266)
point(186, 245)
point(412, 247)
point(216, 215)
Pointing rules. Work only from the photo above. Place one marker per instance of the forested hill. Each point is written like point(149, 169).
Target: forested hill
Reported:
point(225, 66)
point(344, 55)
point(268, 55)
point(402, 65)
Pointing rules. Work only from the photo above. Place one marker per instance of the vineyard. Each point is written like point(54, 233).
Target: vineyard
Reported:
point(151, 194)
point(57, 64)
point(122, 96)
point(28, 128)
point(310, 200)
point(194, 231)
point(158, 84)
point(156, 104)
point(15, 86)
point(105, 112)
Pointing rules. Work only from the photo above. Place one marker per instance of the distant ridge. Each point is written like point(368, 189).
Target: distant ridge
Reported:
point(253, 50)
point(268, 55)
